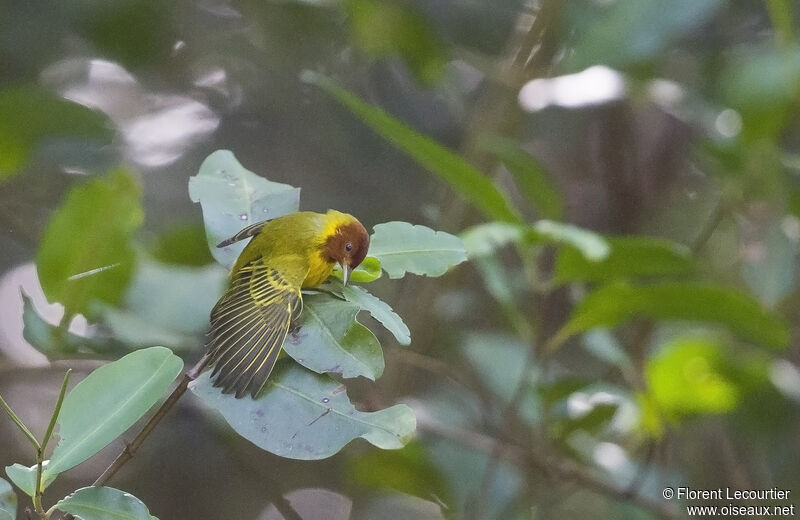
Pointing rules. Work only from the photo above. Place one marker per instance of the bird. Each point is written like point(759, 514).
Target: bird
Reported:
point(250, 321)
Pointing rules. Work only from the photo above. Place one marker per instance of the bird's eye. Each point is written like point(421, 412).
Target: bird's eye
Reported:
point(348, 246)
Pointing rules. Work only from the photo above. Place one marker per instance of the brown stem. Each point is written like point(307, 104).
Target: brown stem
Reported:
point(130, 449)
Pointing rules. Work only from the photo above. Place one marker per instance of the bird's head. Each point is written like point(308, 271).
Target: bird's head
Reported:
point(347, 244)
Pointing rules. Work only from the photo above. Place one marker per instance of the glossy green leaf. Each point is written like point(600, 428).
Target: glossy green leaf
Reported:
point(408, 470)
point(630, 32)
point(615, 303)
point(30, 115)
point(233, 197)
point(108, 402)
point(404, 248)
point(590, 244)
point(628, 257)
point(688, 377)
point(104, 503)
point(8, 501)
point(379, 310)
point(330, 340)
point(57, 344)
point(85, 254)
point(529, 175)
point(368, 271)
point(468, 181)
point(25, 477)
point(303, 415)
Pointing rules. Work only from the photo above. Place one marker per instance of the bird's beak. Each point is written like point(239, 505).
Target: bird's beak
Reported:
point(345, 273)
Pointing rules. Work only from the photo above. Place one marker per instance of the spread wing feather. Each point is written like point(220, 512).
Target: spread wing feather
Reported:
point(249, 325)
point(249, 231)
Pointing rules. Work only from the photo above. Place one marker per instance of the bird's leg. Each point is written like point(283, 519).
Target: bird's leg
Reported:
point(294, 327)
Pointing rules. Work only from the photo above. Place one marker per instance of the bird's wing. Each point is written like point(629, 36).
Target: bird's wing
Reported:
point(250, 231)
point(250, 323)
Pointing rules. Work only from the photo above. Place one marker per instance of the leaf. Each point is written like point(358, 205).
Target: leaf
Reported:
point(618, 302)
point(367, 271)
point(379, 310)
point(402, 247)
point(25, 477)
point(303, 415)
point(104, 503)
point(108, 402)
point(467, 180)
point(408, 470)
point(233, 197)
point(182, 244)
point(29, 115)
point(484, 239)
point(42, 335)
point(91, 230)
point(398, 506)
point(591, 245)
point(529, 175)
point(330, 340)
point(8, 501)
point(628, 257)
point(688, 377)
point(631, 32)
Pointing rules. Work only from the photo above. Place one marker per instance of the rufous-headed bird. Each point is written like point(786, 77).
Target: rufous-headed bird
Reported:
point(251, 320)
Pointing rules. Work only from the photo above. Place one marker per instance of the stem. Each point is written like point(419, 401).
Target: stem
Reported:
point(56, 411)
point(130, 449)
point(37, 495)
point(19, 423)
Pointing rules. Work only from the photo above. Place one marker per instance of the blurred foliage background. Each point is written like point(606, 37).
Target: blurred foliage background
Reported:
point(548, 381)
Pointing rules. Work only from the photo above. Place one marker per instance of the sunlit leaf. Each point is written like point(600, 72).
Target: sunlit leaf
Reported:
point(303, 415)
point(8, 501)
point(108, 402)
point(368, 271)
point(90, 233)
point(402, 247)
point(688, 377)
point(618, 302)
point(233, 197)
point(529, 175)
point(56, 344)
point(408, 470)
point(467, 180)
point(379, 310)
point(628, 257)
point(25, 477)
point(591, 245)
point(30, 115)
point(329, 340)
point(104, 503)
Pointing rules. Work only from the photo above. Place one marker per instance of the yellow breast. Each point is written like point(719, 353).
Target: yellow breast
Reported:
point(319, 270)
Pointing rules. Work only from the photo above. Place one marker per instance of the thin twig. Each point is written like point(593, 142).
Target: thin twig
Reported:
point(130, 449)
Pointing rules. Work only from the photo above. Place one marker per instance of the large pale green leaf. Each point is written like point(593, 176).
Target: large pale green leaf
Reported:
point(303, 415)
point(233, 197)
point(8, 501)
point(25, 477)
point(108, 402)
point(628, 257)
point(402, 247)
point(379, 310)
point(104, 503)
point(688, 377)
point(529, 175)
point(467, 180)
point(57, 344)
point(85, 253)
point(330, 340)
point(30, 115)
point(484, 239)
point(618, 302)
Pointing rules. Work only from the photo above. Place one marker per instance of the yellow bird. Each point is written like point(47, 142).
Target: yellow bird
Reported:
point(250, 322)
